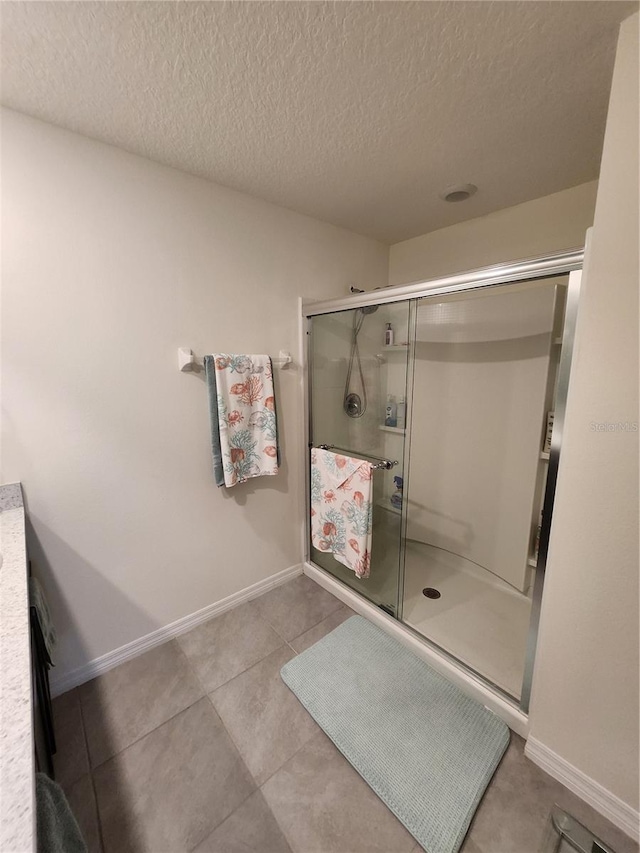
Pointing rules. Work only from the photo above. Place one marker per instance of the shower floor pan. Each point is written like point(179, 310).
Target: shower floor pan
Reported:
point(478, 618)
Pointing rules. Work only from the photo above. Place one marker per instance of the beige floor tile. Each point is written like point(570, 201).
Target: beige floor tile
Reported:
point(306, 640)
point(250, 829)
point(83, 805)
point(468, 846)
point(179, 783)
point(131, 700)
point(71, 761)
point(296, 606)
point(225, 646)
point(168, 791)
point(266, 721)
point(515, 810)
point(324, 806)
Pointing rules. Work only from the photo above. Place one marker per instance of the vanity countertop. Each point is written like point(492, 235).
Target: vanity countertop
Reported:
point(17, 803)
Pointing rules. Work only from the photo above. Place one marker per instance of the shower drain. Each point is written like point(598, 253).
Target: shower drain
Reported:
point(430, 592)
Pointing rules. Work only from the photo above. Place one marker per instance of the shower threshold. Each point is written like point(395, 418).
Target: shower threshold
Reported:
point(474, 686)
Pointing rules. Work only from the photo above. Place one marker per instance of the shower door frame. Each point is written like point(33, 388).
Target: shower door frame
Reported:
point(548, 266)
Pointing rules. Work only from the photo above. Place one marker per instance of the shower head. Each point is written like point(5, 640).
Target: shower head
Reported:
point(368, 309)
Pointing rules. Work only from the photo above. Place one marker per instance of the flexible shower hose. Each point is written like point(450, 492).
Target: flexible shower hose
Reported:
point(358, 320)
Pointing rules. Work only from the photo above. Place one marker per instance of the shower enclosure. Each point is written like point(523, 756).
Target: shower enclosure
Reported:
point(463, 415)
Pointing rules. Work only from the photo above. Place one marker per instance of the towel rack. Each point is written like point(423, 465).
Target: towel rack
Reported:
point(381, 465)
point(187, 361)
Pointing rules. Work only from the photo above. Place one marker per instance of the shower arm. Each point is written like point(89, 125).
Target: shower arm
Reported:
point(381, 464)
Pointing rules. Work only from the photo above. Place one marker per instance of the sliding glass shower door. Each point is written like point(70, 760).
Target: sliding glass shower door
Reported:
point(485, 365)
point(453, 394)
point(358, 382)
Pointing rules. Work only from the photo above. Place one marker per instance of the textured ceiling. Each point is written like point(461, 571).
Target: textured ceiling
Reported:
point(358, 113)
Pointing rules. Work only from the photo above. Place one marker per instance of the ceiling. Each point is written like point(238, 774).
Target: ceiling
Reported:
point(357, 113)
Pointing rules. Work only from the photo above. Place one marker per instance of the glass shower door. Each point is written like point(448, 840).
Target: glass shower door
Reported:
point(358, 387)
point(484, 375)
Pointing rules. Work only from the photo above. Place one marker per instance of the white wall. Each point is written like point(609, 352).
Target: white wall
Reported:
point(585, 697)
point(110, 262)
point(548, 224)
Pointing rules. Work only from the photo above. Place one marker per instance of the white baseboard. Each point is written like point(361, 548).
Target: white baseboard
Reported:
point(599, 798)
point(509, 713)
point(69, 680)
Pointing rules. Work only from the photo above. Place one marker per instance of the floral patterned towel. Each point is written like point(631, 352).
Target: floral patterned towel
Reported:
point(341, 508)
point(243, 417)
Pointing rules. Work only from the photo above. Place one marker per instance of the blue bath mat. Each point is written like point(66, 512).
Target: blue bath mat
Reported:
point(426, 749)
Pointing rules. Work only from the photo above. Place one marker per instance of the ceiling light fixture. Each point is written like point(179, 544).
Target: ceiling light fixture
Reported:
point(459, 192)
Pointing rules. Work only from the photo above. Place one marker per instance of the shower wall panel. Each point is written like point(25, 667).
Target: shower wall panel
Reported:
point(481, 368)
point(332, 337)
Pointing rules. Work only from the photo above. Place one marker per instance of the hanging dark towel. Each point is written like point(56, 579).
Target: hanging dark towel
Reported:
point(58, 830)
point(37, 600)
point(216, 451)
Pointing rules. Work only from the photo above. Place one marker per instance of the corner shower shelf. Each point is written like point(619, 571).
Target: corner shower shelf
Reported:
point(396, 430)
point(395, 347)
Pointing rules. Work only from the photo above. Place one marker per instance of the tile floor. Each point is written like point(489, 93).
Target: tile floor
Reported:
point(198, 745)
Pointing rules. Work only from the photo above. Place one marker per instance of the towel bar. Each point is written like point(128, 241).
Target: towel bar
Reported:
point(382, 464)
point(187, 361)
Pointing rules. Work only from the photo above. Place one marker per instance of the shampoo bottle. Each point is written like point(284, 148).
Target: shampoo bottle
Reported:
point(388, 336)
point(396, 497)
point(401, 413)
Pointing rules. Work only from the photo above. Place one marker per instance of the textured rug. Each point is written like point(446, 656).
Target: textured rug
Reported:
point(426, 749)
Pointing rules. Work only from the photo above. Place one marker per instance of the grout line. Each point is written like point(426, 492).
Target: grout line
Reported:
point(286, 761)
point(150, 732)
point(93, 784)
point(300, 748)
point(269, 625)
point(249, 668)
point(218, 825)
point(155, 728)
point(324, 618)
point(191, 668)
point(205, 693)
point(273, 628)
point(236, 747)
point(282, 586)
point(314, 625)
point(285, 834)
point(234, 742)
point(295, 651)
point(256, 615)
point(241, 759)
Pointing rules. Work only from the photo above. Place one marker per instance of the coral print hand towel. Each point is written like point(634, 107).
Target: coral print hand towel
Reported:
point(243, 417)
point(341, 508)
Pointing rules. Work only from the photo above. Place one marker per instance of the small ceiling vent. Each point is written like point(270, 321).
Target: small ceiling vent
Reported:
point(459, 192)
